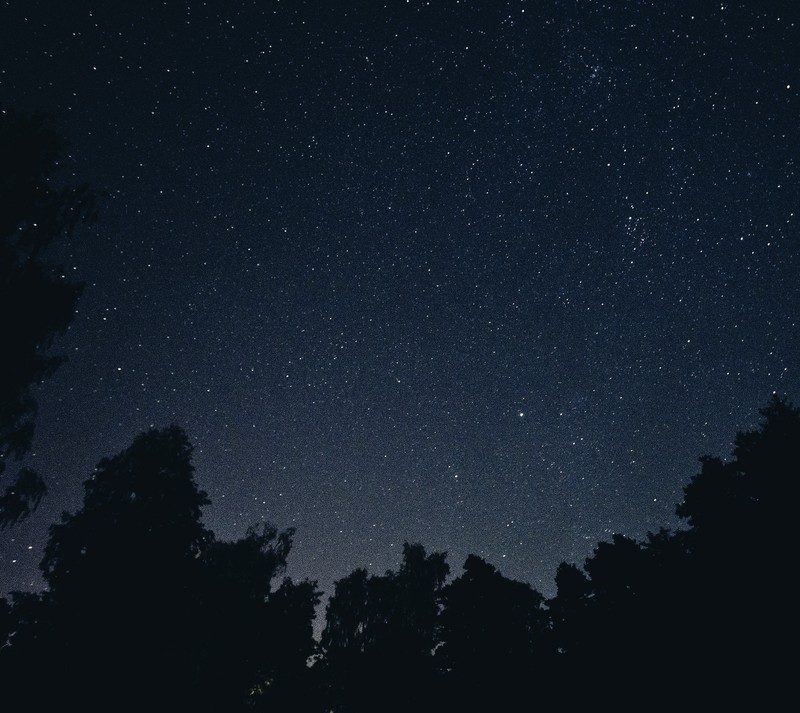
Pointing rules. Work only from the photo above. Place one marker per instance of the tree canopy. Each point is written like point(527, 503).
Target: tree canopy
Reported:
point(144, 599)
point(37, 301)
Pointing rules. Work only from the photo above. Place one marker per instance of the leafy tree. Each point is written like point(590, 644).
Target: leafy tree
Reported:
point(353, 616)
point(748, 499)
point(141, 514)
point(492, 636)
point(411, 629)
point(702, 609)
point(257, 638)
point(568, 608)
point(122, 610)
point(368, 613)
point(740, 510)
point(380, 634)
point(36, 300)
point(740, 540)
point(145, 608)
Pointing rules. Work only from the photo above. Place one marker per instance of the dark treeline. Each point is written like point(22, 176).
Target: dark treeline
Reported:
point(145, 609)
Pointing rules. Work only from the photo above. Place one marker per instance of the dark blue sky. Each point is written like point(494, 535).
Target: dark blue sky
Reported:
point(488, 276)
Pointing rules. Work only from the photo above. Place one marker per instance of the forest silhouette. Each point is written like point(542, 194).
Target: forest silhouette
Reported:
point(145, 609)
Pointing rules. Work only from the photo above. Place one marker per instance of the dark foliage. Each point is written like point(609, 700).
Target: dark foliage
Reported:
point(37, 302)
point(493, 638)
point(700, 609)
point(145, 609)
point(256, 638)
point(692, 615)
point(380, 634)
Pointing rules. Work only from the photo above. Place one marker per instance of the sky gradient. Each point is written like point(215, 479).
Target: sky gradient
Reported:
point(487, 276)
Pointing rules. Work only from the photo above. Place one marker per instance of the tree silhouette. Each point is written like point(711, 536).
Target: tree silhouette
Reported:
point(380, 634)
point(141, 513)
point(146, 609)
point(746, 498)
point(568, 608)
point(492, 636)
point(353, 616)
point(414, 600)
point(702, 609)
point(256, 638)
point(36, 299)
point(741, 538)
point(122, 607)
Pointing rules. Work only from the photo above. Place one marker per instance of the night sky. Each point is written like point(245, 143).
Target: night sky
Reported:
point(490, 276)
